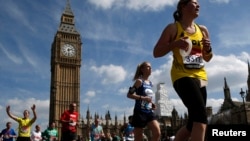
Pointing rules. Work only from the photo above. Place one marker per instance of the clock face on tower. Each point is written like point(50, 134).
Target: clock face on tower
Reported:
point(68, 50)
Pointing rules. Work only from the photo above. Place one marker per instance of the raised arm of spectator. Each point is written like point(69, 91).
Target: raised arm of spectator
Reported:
point(10, 114)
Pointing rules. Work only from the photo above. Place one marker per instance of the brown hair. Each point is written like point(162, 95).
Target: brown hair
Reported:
point(138, 72)
point(177, 14)
point(8, 123)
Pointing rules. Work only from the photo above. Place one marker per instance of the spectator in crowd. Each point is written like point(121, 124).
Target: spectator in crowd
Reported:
point(96, 131)
point(115, 136)
point(36, 135)
point(8, 134)
point(51, 133)
point(128, 131)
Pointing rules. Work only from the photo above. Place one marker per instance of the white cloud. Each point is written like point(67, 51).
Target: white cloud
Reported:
point(105, 4)
point(111, 73)
point(149, 5)
point(230, 67)
point(215, 104)
point(162, 74)
point(220, 1)
point(179, 106)
point(86, 101)
point(123, 91)
point(239, 38)
point(91, 93)
point(146, 5)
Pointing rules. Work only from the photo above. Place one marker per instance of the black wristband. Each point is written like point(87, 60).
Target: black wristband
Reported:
point(210, 50)
point(132, 90)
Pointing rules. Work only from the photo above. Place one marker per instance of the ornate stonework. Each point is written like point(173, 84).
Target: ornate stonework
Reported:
point(65, 67)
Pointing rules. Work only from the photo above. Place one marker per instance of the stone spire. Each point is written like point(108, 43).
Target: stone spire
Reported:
point(248, 84)
point(67, 24)
point(67, 10)
point(227, 94)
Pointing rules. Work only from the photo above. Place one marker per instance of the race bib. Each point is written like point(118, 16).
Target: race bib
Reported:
point(96, 137)
point(145, 104)
point(52, 138)
point(72, 123)
point(24, 129)
point(193, 61)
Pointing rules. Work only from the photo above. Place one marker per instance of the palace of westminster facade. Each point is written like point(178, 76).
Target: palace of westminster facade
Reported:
point(65, 89)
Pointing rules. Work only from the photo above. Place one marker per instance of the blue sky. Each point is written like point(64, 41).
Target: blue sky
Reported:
point(117, 35)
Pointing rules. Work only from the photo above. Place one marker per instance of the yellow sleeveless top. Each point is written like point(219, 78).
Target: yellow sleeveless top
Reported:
point(24, 128)
point(192, 64)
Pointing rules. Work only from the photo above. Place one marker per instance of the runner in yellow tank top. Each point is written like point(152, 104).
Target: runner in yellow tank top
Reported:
point(188, 70)
point(191, 65)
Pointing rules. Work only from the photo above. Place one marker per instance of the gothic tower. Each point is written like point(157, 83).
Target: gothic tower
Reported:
point(163, 104)
point(227, 94)
point(65, 67)
point(228, 102)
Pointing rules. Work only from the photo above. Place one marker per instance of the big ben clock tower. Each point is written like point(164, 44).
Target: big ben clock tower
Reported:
point(65, 67)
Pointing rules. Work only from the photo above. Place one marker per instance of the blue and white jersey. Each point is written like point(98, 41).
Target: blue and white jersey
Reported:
point(144, 90)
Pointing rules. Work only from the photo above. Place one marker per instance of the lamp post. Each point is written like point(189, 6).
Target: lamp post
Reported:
point(242, 94)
